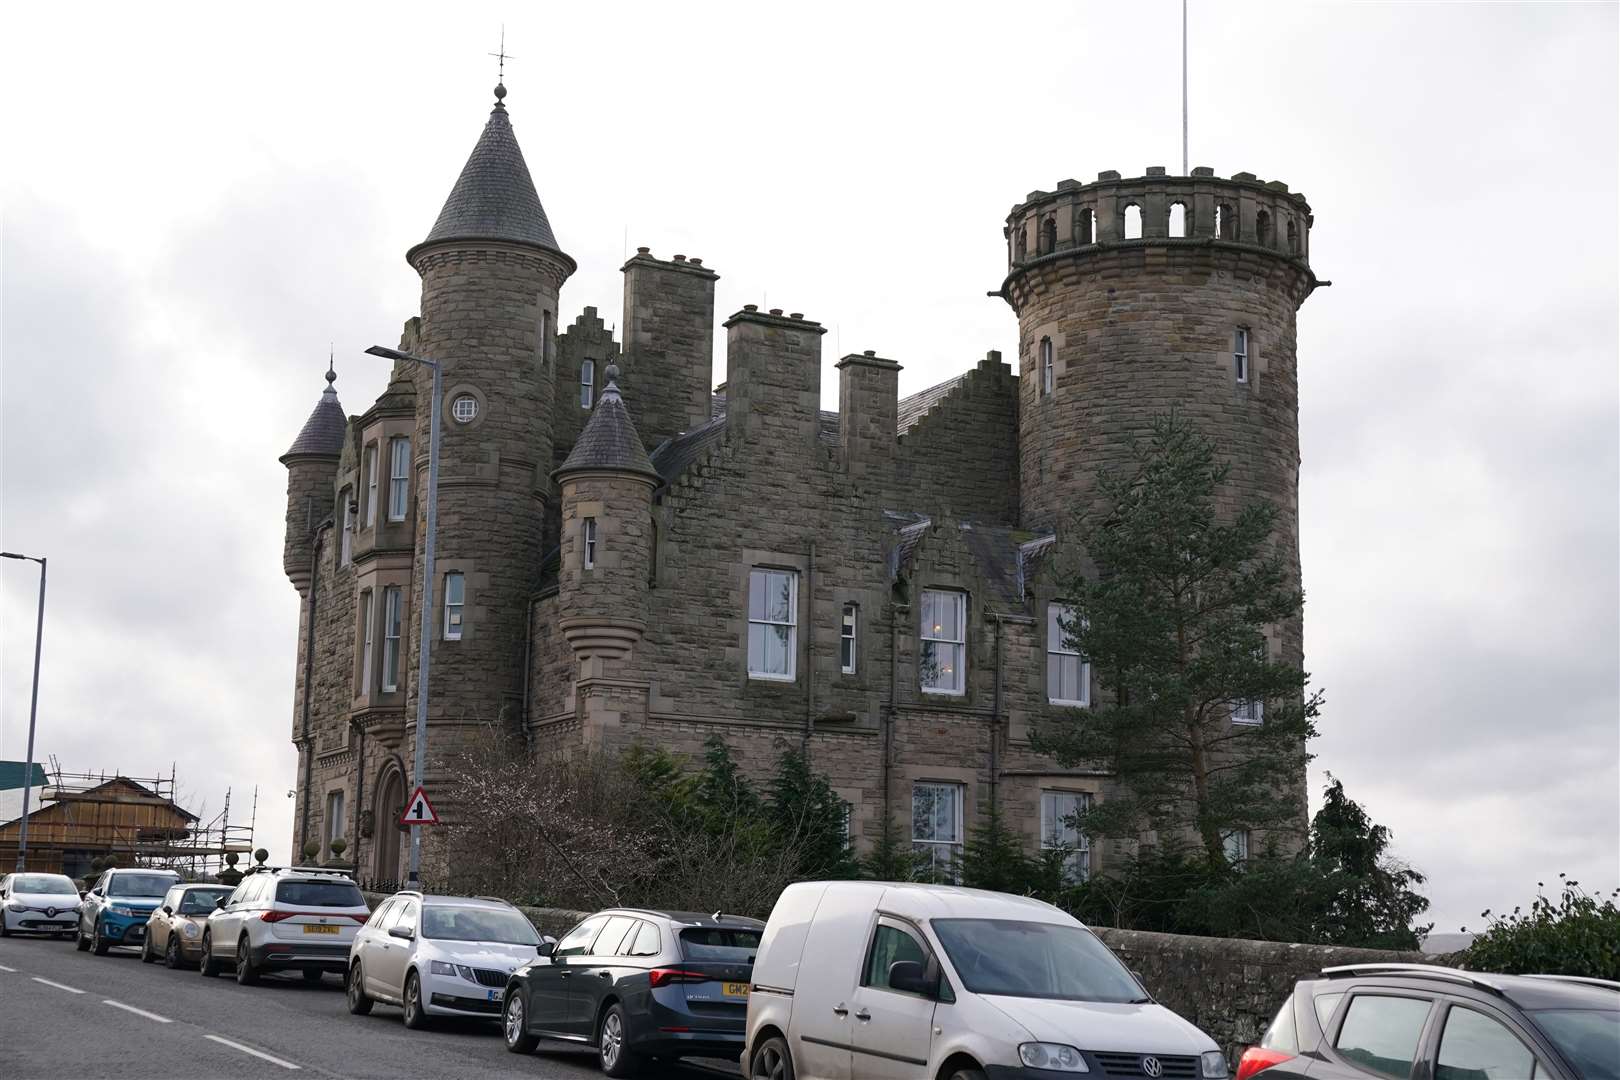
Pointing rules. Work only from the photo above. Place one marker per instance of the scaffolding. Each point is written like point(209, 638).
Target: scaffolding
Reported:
point(135, 819)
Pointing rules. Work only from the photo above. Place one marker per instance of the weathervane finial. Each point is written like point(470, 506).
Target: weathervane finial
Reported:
point(502, 57)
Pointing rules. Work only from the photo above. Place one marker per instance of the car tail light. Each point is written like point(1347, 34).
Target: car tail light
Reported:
point(1257, 1059)
point(666, 976)
point(362, 919)
point(277, 916)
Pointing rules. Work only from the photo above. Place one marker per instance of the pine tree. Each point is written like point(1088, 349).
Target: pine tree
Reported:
point(994, 858)
point(1173, 621)
point(807, 814)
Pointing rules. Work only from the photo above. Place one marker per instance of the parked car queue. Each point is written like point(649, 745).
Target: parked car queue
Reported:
point(845, 981)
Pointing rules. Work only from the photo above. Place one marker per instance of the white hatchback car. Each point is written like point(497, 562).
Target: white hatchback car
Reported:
point(284, 919)
point(38, 904)
point(878, 981)
point(439, 956)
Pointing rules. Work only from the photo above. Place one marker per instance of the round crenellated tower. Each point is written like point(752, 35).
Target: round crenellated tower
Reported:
point(1140, 296)
point(607, 533)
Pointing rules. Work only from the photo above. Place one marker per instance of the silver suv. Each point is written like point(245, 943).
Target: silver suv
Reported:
point(298, 918)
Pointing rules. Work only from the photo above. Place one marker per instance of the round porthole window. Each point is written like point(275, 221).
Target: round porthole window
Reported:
point(464, 409)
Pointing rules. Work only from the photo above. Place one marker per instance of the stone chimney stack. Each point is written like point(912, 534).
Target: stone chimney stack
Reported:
point(868, 404)
point(773, 380)
point(668, 343)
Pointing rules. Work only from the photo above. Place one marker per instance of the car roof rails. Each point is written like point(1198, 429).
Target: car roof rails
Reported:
point(1607, 984)
point(326, 871)
point(496, 900)
point(1417, 971)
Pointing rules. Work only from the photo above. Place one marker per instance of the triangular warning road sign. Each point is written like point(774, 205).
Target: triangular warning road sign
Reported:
point(418, 811)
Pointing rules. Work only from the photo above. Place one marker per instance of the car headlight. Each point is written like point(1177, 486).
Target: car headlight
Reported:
point(1054, 1056)
point(189, 929)
point(15, 905)
point(1214, 1063)
point(119, 909)
point(439, 967)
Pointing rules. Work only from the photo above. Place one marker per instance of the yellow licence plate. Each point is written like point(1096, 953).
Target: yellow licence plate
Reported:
point(319, 928)
point(734, 989)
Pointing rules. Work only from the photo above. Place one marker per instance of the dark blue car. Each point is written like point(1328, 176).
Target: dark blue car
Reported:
point(116, 908)
point(638, 986)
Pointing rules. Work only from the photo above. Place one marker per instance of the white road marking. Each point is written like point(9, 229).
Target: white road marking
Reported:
point(59, 986)
point(250, 1050)
point(137, 1012)
point(4, 968)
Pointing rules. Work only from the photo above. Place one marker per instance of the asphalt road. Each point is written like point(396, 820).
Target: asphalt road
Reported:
point(66, 1014)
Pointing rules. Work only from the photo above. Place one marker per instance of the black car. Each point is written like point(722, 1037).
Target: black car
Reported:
point(638, 985)
point(1414, 1022)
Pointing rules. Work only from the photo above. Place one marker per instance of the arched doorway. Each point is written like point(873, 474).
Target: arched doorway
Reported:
point(390, 804)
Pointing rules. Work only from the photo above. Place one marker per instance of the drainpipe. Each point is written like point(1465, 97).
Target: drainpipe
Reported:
point(810, 654)
point(359, 792)
point(995, 722)
point(309, 682)
point(888, 720)
point(528, 660)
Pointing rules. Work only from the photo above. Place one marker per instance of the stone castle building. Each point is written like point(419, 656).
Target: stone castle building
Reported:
point(628, 551)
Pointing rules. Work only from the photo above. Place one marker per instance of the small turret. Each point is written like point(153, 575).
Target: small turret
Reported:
point(607, 540)
point(312, 463)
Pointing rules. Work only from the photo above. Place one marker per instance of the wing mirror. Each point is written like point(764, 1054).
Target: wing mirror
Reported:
point(167, 910)
point(910, 977)
point(83, 895)
point(403, 932)
point(546, 947)
point(220, 903)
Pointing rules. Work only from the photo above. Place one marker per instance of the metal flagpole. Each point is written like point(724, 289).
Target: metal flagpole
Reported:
point(1184, 171)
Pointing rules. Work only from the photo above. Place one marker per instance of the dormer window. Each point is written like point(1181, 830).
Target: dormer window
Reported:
point(587, 382)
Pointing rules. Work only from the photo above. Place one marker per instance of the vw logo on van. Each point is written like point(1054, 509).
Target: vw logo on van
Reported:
point(1151, 1066)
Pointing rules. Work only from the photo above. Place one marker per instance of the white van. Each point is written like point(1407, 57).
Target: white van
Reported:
point(863, 980)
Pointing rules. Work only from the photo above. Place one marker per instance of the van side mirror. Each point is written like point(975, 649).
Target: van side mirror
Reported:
point(546, 947)
point(910, 977)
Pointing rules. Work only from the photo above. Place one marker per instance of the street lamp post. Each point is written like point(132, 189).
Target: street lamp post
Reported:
point(33, 706)
point(426, 632)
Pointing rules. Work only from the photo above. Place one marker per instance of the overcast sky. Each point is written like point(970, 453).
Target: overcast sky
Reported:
point(198, 200)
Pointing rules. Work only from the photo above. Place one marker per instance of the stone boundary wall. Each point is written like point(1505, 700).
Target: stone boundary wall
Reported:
point(1229, 987)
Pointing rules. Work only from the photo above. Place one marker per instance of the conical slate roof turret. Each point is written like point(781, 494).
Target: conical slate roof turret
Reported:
point(609, 441)
point(494, 198)
point(322, 435)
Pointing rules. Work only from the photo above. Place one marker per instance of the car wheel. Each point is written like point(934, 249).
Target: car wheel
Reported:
point(171, 952)
point(100, 945)
point(416, 1017)
point(246, 973)
point(771, 1061)
point(5, 928)
point(146, 950)
point(967, 1072)
point(612, 1047)
point(518, 1040)
point(359, 1000)
point(65, 935)
point(209, 967)
point(80, 942)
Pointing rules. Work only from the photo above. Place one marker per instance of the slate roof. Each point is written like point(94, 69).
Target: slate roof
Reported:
point(914, 408)
point(323, 432)
point(494, 198)
point(1007, 558)
point(609, 440)
point(675, 455)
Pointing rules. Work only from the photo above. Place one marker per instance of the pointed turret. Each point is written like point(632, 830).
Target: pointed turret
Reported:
point(607, 532)
point(312, 463)
point(494, 198)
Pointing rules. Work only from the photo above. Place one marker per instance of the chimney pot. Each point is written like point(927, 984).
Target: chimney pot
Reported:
point(695, 261)
point(776, 311)
point(750, 307)
point(643, 251)
point(795, 314)
point(869, 352)
point(680, 258)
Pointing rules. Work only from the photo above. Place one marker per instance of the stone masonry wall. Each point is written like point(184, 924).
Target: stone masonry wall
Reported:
point(961, 459)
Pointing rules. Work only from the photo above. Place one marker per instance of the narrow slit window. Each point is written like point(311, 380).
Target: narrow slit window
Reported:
point(1048, 235)
point(1178, 219)
point(455, 601)
point(1088, 228)
point(334, 817)
point(1262, 228)
point(399, 477)
point(1240, 354)
point(943, 661)
point(371, 485)
point(846, 640)
point(391, 627)
point(587, 383)
point(367, 644)
point(588, 531)
point(773, 624)
point(1133, 222)
point(1293, 237)
point(1048, 371)
point(346, 550)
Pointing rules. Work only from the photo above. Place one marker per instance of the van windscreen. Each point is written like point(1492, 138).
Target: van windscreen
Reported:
point(1035, 960)
point(731, 944)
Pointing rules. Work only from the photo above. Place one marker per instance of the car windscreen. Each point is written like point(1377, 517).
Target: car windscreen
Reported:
point(53, 884)
point(1035, 960)
point(448, 922)
point(319, 894)
point(731, 944)
point(154, 885)
point(1588, 1037)
point(200, 901)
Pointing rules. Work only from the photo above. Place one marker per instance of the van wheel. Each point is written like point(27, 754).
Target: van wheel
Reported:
point(967, 1072)
point(771, 1061)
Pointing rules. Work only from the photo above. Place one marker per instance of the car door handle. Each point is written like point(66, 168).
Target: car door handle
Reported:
point(565, 974)
point(863, 1016)
point(605, 974)
point(840, 1010)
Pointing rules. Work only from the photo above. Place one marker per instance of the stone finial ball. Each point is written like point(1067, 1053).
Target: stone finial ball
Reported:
point(613, 373)
point(261, 855)
point(500, 91)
